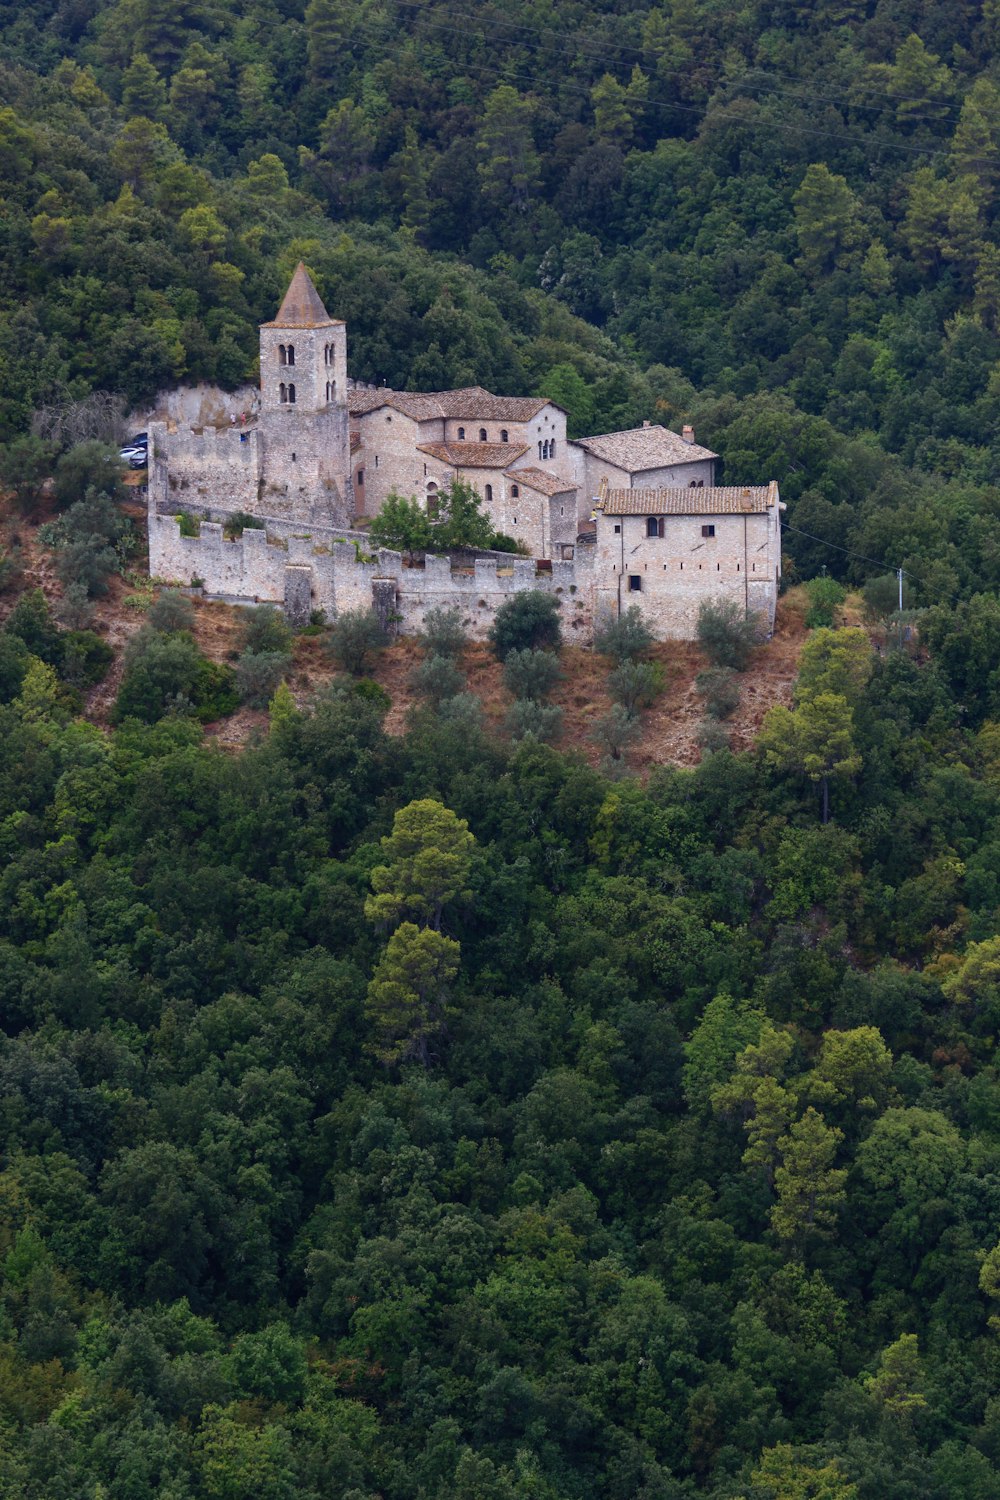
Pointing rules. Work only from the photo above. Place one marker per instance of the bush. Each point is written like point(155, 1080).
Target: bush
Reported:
point(615, 731)
point(14, 656)
point(720, 690)
point(623, 637)
point(527, 621)
point(531, 674)
point(881, 596)
point(636, 684)
point(825, 597)
point(235, 525)
point(266, 631)
point(91, 540)
point(712, 736)
point(354, 639)
point(528, 719)
point(85, 658)
point(168, 674)
point(31, 621)
point(464, 712)
point(444, 633)
point(437, 679)
point(189, 525)
point(727, 633)
point(370, 691)
point(88, 467)
point(258, 675)
point(171, 610)
point(75, 609)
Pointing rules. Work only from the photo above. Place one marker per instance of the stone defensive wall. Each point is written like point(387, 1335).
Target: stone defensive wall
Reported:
point(224, 463)
point(333, 571)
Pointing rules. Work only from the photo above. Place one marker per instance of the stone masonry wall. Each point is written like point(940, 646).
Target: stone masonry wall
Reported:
point(254, 568)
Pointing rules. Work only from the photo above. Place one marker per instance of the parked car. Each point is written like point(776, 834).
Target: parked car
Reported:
point(135, 455)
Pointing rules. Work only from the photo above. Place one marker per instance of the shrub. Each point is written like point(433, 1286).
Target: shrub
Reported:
point(727, 633)
point(14, 657)
point(91, 540)
point(31, 621)
point(25, 464)
point(464, 713)
point(370, 691)
point(437, 679)
point(258, 675)
point(615, 731)
point(265, 630)
point(171, 610)
point(720, 690)
point(712, 736)
point(189, 525)
point(528, 719)
point(623, 637)
point(354, 638)
point(89, 466)
point(825, 597)
point(85, 658)
point(235, 525)
point(527, 621)
point(444, 633)
point(168, 674)
point(881, 596)
point(531, 674)
point(635, 684)
point(75, 610)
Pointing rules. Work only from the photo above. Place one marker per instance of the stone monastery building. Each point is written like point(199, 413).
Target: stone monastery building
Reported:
point(608, 521)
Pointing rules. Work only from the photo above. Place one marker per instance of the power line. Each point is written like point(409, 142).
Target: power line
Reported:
point(849, 551)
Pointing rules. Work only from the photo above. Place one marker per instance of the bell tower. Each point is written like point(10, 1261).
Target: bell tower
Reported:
point(303, 404)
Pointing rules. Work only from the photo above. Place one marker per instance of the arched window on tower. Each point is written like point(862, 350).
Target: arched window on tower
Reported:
point(282, 355)
point(461, 434)
point(282, 393)
point(482, 434)
point(515, 491)
point(291, 395)
point(291, 354)
point(539, 450)
point(503, 435)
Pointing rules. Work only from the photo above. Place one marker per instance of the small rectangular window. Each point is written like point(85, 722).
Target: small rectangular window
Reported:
point(635, 583)
point(361, 476)
point(617, 530)
point(708, 531)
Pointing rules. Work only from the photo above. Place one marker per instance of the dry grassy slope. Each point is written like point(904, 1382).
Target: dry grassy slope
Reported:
point(669, 728)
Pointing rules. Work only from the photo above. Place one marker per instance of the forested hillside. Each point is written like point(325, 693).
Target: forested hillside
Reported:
point(434, 1116)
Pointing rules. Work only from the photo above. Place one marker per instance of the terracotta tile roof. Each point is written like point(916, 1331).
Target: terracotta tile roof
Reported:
point(541, 480)
point(641, 448)
point(733, 500)
point(474, 455)
point(472, 403)
point(302, 306)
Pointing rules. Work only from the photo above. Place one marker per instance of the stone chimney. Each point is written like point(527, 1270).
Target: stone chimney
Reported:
point(687, 434)
point(645, 424)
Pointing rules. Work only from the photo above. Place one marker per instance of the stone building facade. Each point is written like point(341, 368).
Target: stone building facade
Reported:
point(622, 518)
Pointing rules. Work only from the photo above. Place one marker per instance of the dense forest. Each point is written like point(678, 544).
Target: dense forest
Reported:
point(434, 1116)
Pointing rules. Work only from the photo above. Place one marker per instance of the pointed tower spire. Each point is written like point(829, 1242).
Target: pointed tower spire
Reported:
point(302, 306)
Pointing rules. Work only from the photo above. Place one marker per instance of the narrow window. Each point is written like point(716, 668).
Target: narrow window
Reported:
point(552, 448)
point(708, 531)
point(361, 479)
point(515, 491)
point(291, 395)
point(376, 460)
point(281, 355)
point(652, 529)
point(635, 583)
point(515, 520)
point(482, 434)
point(489, 494)
point(293, 458)
point(539, 450)
point(693, 485)
point(617, 530)
point(461, 434)
point(503, 435)
point(701, 484)
point(282, 392)
point(291, 354)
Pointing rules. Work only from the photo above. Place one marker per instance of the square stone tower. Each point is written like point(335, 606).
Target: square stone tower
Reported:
point(305, 472)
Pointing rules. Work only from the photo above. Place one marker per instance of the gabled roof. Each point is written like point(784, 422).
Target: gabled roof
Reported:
point(471, 403)
point(542, 481)
point(302, 306)
point(717, 500)
point(474, 455)
point(639, 448)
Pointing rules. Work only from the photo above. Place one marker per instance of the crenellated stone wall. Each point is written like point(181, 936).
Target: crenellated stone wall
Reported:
point(269, 566)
